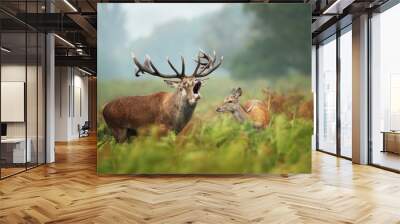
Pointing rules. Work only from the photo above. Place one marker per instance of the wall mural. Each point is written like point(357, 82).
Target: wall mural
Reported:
point(204, 88)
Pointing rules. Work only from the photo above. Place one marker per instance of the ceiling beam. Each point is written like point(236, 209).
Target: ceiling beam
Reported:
point(84, 24)
point(337, 6)
point(49, 22)
point(320, 22)
point(81, 61)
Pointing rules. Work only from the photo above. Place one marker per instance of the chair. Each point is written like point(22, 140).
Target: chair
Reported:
point(84, 130)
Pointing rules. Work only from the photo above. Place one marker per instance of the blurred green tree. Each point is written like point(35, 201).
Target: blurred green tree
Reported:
point(279, 44)
point(111, 41)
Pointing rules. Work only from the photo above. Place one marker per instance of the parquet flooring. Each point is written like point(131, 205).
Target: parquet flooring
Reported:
point(69, 191)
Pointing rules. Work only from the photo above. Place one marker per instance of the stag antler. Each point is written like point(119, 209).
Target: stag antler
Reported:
point(148, 67)
point(206, 67)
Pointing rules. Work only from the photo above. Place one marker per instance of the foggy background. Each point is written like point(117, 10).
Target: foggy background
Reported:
point(257, 40)
point(267, 53)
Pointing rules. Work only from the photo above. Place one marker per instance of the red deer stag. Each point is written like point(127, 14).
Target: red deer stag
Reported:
point(255, 111)
point(168, 110)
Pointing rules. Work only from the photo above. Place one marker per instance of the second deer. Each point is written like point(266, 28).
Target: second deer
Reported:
point(254, 111)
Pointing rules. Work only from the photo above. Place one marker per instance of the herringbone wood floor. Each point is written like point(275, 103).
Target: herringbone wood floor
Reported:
point(69, 191)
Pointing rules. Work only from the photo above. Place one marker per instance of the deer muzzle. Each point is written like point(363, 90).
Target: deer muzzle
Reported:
point(193, 100)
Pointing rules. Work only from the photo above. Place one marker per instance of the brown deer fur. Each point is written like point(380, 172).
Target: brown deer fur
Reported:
point(255, 111)
point(168, 110)
point(132, 112)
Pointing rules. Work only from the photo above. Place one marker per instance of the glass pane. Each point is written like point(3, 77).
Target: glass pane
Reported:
point(13, 86)
point(314, 89)
point(31, 98)
point(346, 94)
point(386, 89)
point(41, 98)
point(327, 96)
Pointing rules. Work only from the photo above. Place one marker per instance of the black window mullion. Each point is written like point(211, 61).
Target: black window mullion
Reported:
point(73, 92)
point(338, 80)
point(369, 90)
point(317, 97)
point(26, 87)
point(37, 90)
point(45, 88)
point(45, 94)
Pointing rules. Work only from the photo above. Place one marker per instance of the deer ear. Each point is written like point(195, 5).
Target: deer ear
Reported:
point(173, 84)
point(237, 92)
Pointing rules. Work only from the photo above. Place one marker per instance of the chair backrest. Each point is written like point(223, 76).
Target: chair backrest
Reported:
point(86, 125)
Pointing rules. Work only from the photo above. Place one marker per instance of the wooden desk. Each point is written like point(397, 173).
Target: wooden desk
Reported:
point(391, 141)
point(13, 150)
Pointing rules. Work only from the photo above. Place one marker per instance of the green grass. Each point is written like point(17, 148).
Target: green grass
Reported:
point(212, 143)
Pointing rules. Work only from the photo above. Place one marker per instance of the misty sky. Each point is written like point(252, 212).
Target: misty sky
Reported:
point(139, 27)
point(181, 29)
point(127, 28)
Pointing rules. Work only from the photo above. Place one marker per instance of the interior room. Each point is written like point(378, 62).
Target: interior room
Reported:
point(22, 102)
point(49, 173)
point(72, 103)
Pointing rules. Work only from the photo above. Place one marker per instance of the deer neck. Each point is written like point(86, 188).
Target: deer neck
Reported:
point(240, 114)
point(182, 111)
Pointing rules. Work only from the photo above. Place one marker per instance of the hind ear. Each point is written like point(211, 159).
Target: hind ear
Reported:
point(173, 84)
point(237, 92)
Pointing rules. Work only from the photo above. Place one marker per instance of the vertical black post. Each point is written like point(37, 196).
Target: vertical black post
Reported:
point(37, 89)
point(338, 72)
point(45, 94)
point(369, 90)
point(317, 96)
point(26, 86)
point(69, 92)
point(73, 91)
point(45, 87)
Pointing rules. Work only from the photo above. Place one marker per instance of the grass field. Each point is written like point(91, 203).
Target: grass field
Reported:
point(214, 143)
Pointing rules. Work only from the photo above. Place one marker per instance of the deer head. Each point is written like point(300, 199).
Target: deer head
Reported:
point(231, 102)
point(188, 87)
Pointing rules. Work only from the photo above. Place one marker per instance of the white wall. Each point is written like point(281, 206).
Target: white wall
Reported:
point(62, 81)
point(71, 94)
point(33, 127)
point(13, 73)
point(16, 73)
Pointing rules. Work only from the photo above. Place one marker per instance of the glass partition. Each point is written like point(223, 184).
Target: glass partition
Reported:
point(346, 93)
point(32, 95)
point(41, 96)
point(327, 95)
point(385, 89)
point(22, 88)
point(13, 94)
